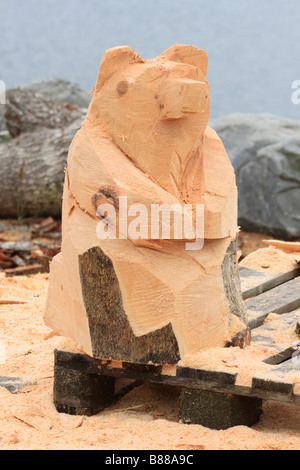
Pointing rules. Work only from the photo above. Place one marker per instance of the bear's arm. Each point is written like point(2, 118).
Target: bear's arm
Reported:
point(218, 188)
point(95, 164)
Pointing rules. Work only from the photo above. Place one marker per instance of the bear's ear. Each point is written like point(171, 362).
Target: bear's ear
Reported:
point(113, 60)
point(187, 55)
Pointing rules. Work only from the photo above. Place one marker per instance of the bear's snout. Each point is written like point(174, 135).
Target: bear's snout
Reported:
point(179, 98)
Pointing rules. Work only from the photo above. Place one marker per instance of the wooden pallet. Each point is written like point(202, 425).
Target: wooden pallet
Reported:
point(213, 398)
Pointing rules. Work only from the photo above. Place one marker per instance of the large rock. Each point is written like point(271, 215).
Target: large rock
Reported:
point(27, 111)
point(58, 89)
point(265, 152)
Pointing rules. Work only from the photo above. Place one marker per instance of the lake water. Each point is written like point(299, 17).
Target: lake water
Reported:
point(253, 45)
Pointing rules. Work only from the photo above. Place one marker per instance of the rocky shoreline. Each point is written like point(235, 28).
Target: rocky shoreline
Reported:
point(39, 121)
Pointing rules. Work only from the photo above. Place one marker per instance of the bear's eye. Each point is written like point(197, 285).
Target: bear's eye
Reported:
point(122, 87)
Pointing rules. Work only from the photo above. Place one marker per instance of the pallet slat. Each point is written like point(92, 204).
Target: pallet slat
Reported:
point(256, 282)
point(207, 375)
point(221, 382)
point(282, 299)
point(266, 336)
point(276, 380)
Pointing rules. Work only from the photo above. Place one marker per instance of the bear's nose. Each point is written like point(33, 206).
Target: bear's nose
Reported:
point(179, 97)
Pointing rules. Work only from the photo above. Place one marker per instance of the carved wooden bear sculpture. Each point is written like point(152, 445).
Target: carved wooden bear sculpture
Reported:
point(146, 141)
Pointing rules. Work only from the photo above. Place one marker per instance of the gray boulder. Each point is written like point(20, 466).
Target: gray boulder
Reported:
point(54, 89)
point(58, 89)
point(27, 111)
point(265, 153)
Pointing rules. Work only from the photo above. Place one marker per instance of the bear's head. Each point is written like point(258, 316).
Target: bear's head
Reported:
point(153, 109)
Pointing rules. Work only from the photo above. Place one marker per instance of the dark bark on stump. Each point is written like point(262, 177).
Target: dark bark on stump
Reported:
point(110, 331)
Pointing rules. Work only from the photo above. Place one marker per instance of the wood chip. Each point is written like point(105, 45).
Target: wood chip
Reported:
point(119, 410)
point(45, 226)
point(51, 335)
point(287, 247)
point(18, 261)
point(229, 365)
point(4, 258)
point(23, 270)
point(24, 422)
point(80, 423)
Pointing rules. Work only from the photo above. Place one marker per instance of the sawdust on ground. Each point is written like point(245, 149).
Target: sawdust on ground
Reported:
point(271, 260)
point(145, 418)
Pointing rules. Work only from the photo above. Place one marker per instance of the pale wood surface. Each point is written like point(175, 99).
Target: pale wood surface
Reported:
point(146, 137)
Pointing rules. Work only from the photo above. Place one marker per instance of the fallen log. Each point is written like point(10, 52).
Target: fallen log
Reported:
point(24, 270)
point(32, 172)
